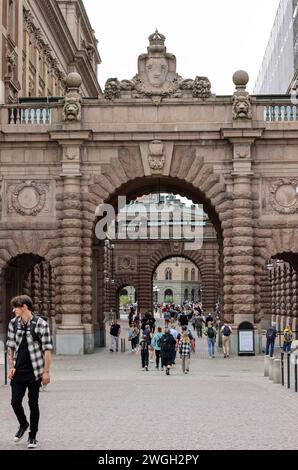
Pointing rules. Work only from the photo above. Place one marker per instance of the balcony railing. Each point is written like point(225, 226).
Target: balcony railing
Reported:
point(29, 115)
point(280, 112)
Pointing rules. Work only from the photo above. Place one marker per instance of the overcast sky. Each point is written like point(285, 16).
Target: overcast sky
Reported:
point(213, 38)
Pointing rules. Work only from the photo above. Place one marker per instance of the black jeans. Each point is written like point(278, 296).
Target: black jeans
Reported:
point(157, 356)
point(270, 346)
point(18, 390)
point(145, 358)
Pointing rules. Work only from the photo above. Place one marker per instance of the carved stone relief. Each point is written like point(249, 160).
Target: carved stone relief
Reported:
point(241, 106)
point(27, 198)
point(283, 195)
point(127, 263)
point(157, 77)
point(156, 156)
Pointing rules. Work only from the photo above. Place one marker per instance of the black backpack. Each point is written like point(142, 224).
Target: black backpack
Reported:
point(210, 332)
point(33, 323)
point(165, 342)
point(226, 331)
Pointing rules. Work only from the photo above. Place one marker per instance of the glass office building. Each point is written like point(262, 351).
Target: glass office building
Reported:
point(280, 62)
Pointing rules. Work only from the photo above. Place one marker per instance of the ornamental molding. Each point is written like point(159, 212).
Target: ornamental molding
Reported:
point(127, 263)
point(27, 198)
point(283, 195)
point(157, 78)
point(156, 156)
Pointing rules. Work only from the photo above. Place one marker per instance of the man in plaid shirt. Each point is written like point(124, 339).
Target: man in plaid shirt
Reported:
point(29, 357)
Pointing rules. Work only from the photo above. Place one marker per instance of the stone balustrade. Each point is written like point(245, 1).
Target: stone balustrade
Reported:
point(29, 115)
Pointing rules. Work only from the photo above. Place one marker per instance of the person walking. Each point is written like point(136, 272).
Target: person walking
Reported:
point(144, 348)
point(154, 344)
point(270, 339)
point(115, 333)
point(210, 332)
point(184, 351)
point(167, 344)
point(29, 358)
point(226, 332)
point(288, 338)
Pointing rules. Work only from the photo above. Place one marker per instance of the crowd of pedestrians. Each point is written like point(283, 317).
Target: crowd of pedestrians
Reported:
point(184, 326)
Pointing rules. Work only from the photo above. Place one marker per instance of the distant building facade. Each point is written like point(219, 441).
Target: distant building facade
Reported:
point(42, 41)
point(280, 63)
point(177, 280)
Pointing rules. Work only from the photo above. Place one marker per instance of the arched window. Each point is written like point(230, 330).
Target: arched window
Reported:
point(168, 274)
point(186, 274)
point(192, 295)
point(124, 292)
point(186, 294)
point(193, 274)
point(168, 296)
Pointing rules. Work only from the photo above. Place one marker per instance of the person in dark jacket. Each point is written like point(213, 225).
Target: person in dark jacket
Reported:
point(270, 339)
point(167, 344)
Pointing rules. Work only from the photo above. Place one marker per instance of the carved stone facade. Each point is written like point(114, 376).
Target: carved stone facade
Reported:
point(159, 134)
point(34, 64)
point(157, 78)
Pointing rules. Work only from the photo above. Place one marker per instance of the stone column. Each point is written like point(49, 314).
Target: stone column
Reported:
point(70, 334)
point(36, 288)
point(243, 260)
point(45, 289)
point(282, 293)
point(288, 299)
point(209, 284)
point(272, 283)
point(277, 297)
point(266, 298)
point(294, 302)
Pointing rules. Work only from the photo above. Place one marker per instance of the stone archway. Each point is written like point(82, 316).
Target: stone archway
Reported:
point(206, 263)
point(121, 178)
point(29, 274)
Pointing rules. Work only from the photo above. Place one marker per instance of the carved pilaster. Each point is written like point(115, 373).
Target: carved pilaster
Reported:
point(243, 269)
point(289, 270)
point(71, 262)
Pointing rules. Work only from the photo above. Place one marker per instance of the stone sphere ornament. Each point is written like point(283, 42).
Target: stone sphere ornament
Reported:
point(73, 80)
point(240, 78)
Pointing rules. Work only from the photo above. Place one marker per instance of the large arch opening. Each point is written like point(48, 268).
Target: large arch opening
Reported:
point(279, 291)
point(136, 258)
point(169, 275)
point(29, 274)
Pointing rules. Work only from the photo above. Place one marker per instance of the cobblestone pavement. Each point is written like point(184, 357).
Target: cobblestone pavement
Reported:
point(105, 401)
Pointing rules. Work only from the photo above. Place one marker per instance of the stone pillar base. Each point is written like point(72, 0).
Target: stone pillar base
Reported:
point(266, 366)
point(88, 339)
point(276, 371)
point(70, 341)
point(99, 337)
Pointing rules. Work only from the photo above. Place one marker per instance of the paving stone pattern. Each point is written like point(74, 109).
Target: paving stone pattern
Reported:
point(105, 401)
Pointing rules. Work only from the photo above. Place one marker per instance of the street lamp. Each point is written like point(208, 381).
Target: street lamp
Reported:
point(156, 290)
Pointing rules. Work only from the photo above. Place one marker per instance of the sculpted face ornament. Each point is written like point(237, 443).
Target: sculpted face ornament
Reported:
point(157, 70)
point(241, 107)
point(71, 110)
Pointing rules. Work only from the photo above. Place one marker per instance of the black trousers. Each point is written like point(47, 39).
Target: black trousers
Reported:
point(18, 390)
point(145, 358)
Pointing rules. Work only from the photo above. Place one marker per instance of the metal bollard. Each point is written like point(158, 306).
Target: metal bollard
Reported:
point(282, 369)
point(5, 367)
point(122, 344)
point(288, 369)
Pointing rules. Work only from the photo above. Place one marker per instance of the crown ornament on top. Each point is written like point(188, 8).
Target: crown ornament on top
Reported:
point(156, 41)
point(157, 78)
